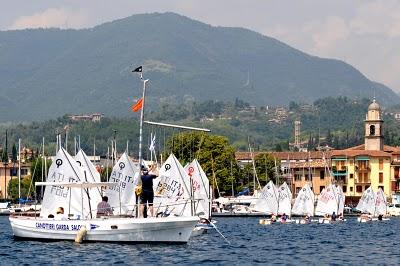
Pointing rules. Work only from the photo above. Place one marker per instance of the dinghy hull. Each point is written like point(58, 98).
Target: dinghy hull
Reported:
point(168, 229)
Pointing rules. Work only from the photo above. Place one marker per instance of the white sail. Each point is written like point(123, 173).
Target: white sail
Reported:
point(284, 199)
point(90, 175)
point(327, 201)
point(304, 204)
point(268, 199)
point(126, 174)
point(74, 201)
point(172, 189)
point(340, 199)
point(200, 188)
point(367, 202)
point(380, 203)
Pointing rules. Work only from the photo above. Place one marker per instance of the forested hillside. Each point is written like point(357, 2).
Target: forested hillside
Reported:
point(45, 73)
point(336, 122)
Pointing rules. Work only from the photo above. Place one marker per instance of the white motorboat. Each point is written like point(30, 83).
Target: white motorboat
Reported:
point(166, 229)
point(5, 208)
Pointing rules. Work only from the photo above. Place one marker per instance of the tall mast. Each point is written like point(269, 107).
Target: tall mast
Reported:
point(140, 70)
point(19, 171)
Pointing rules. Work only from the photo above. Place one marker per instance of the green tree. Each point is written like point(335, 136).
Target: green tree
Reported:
point(36, 169)
point(214, 153)
point(25, 184)
point(14, 153)
point(265, 167)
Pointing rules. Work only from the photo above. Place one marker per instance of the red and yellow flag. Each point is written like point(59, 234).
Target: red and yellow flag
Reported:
point(138, 105)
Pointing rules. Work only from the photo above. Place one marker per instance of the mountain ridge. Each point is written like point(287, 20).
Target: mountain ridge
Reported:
point(49, 72)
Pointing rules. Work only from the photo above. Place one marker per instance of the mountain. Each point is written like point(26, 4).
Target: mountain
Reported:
point(45, 73)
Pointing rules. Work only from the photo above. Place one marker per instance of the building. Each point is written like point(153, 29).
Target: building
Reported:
point(299, 168)
point(9, 171)
point(355, 169)
point(95, 117)
point(371, 164)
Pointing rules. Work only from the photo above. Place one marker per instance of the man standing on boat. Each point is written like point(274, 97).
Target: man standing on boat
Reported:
point(147, 195)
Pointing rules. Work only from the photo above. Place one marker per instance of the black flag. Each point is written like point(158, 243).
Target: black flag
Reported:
point(138, 69)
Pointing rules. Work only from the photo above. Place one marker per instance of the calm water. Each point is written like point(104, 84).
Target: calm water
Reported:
point(251, 243)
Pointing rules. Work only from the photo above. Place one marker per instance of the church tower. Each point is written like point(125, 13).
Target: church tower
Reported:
point(373, 128)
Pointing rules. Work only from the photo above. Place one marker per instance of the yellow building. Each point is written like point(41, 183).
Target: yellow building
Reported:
point(370, 164)
point(9, 171)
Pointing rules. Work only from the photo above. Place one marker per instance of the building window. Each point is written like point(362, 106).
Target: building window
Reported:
point(322, 175)
point(24, 171)
point(344, 189)
point(13, 171)
point(351, 162)
point(372, 130)
point(351, 176)
point(359, 189)
point(381, 187)
point(380, 177)
point(351, 189)
point(380, 164)
point(321, 188)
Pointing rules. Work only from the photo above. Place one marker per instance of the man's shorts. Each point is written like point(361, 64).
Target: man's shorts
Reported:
point(147, 196)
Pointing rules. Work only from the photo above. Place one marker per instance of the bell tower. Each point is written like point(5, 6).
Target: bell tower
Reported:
point(373, 128)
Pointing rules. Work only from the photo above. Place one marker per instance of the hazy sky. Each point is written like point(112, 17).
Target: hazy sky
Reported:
point(364, 33)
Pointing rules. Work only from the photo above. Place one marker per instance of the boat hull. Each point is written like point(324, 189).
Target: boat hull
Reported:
point(168, 229)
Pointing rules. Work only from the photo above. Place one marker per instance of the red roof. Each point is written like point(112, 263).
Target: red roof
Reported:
point(354, 153)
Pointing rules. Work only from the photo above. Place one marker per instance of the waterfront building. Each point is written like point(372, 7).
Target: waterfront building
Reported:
point(371, 164)
point(9, 171)
point(298, 168)
point(355, 169)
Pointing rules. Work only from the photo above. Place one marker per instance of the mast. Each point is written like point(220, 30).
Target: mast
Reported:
point(41, 187)
point(254, 169)
point(142, 119)
point(233, 191)
point(19, 171)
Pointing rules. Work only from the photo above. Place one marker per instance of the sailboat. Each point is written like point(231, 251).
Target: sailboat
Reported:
point(201, 196)
point(304, 204)
point(284, 203)
point(372, 205)
point(267, 202)
point(327, 203)
point(122, 197)
point(66, 188)
point(172, 193)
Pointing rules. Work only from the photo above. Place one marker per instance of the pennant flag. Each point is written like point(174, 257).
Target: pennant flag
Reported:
point(138, 69)
point(152, 146)
point(138, 105)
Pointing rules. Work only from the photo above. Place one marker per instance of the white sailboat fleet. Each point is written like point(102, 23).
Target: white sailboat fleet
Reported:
point(372, 205)
point(66, 188)
point(277, 202)
point(73, 186)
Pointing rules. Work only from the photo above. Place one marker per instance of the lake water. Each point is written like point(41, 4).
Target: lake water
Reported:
point(251, 243)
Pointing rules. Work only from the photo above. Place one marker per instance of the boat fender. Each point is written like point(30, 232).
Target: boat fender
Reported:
point(81, 234)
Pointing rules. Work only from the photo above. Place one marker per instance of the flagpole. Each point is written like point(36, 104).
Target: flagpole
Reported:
point(141, 120)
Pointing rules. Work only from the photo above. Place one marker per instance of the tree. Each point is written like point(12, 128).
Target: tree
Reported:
point(14, 153)
point(36, 169)
point(214, 153)
point(265, 167)
point(13, 187)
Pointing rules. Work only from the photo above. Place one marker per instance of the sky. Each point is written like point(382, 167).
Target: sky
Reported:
point(363, 33)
